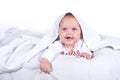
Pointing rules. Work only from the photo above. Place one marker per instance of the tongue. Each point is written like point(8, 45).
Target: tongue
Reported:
point(69, 38)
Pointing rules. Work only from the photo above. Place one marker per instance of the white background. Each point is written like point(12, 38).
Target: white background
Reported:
point(102, 15)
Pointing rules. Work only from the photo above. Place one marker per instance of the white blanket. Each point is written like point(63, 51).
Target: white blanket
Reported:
point(20, 52)
point(18, 46)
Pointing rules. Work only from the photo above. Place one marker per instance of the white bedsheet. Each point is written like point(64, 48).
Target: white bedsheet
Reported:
point(18, 46)
point(20, 52)
point(104, 66)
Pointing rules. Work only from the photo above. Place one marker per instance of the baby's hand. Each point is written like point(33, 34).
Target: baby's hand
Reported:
point(45, 65)
point(86, 55)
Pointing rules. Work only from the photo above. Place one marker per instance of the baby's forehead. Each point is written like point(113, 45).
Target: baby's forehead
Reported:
point(69, 21)
point(62, 26)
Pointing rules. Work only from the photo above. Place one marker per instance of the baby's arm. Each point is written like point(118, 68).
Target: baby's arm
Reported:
point(48, 55)
point(86, 53)
point(45, 65)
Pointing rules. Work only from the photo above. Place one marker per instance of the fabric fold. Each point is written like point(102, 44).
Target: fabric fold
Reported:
point(18, 46)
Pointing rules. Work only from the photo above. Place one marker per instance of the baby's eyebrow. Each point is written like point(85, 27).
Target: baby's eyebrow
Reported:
point(63, 27)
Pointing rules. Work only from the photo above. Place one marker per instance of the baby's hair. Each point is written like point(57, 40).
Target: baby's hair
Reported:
point(69, 14)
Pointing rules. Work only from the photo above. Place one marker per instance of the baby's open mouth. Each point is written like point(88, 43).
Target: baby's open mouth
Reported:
point(69, 37)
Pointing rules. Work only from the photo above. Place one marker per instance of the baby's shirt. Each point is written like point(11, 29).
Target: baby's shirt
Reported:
point(78, 49)
point(57, 48)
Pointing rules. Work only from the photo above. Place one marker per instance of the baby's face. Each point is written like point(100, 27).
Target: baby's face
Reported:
point(69, 31)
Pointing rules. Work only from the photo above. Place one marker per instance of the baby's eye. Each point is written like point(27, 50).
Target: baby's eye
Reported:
point(74, 29)
point(64, 28)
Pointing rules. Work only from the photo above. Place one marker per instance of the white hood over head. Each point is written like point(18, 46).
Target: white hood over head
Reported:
point(90, 37)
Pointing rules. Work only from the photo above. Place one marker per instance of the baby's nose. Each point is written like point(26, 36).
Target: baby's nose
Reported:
point(69, 31)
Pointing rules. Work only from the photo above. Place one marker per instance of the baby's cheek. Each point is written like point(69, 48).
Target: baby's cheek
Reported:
point(77, 39)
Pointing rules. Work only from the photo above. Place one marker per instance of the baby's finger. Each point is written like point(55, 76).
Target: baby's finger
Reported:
point(89, 56)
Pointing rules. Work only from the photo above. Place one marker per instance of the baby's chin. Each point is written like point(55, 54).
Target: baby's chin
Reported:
point(69, 43)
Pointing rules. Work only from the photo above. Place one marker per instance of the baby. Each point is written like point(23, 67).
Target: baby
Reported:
point(69, 43)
